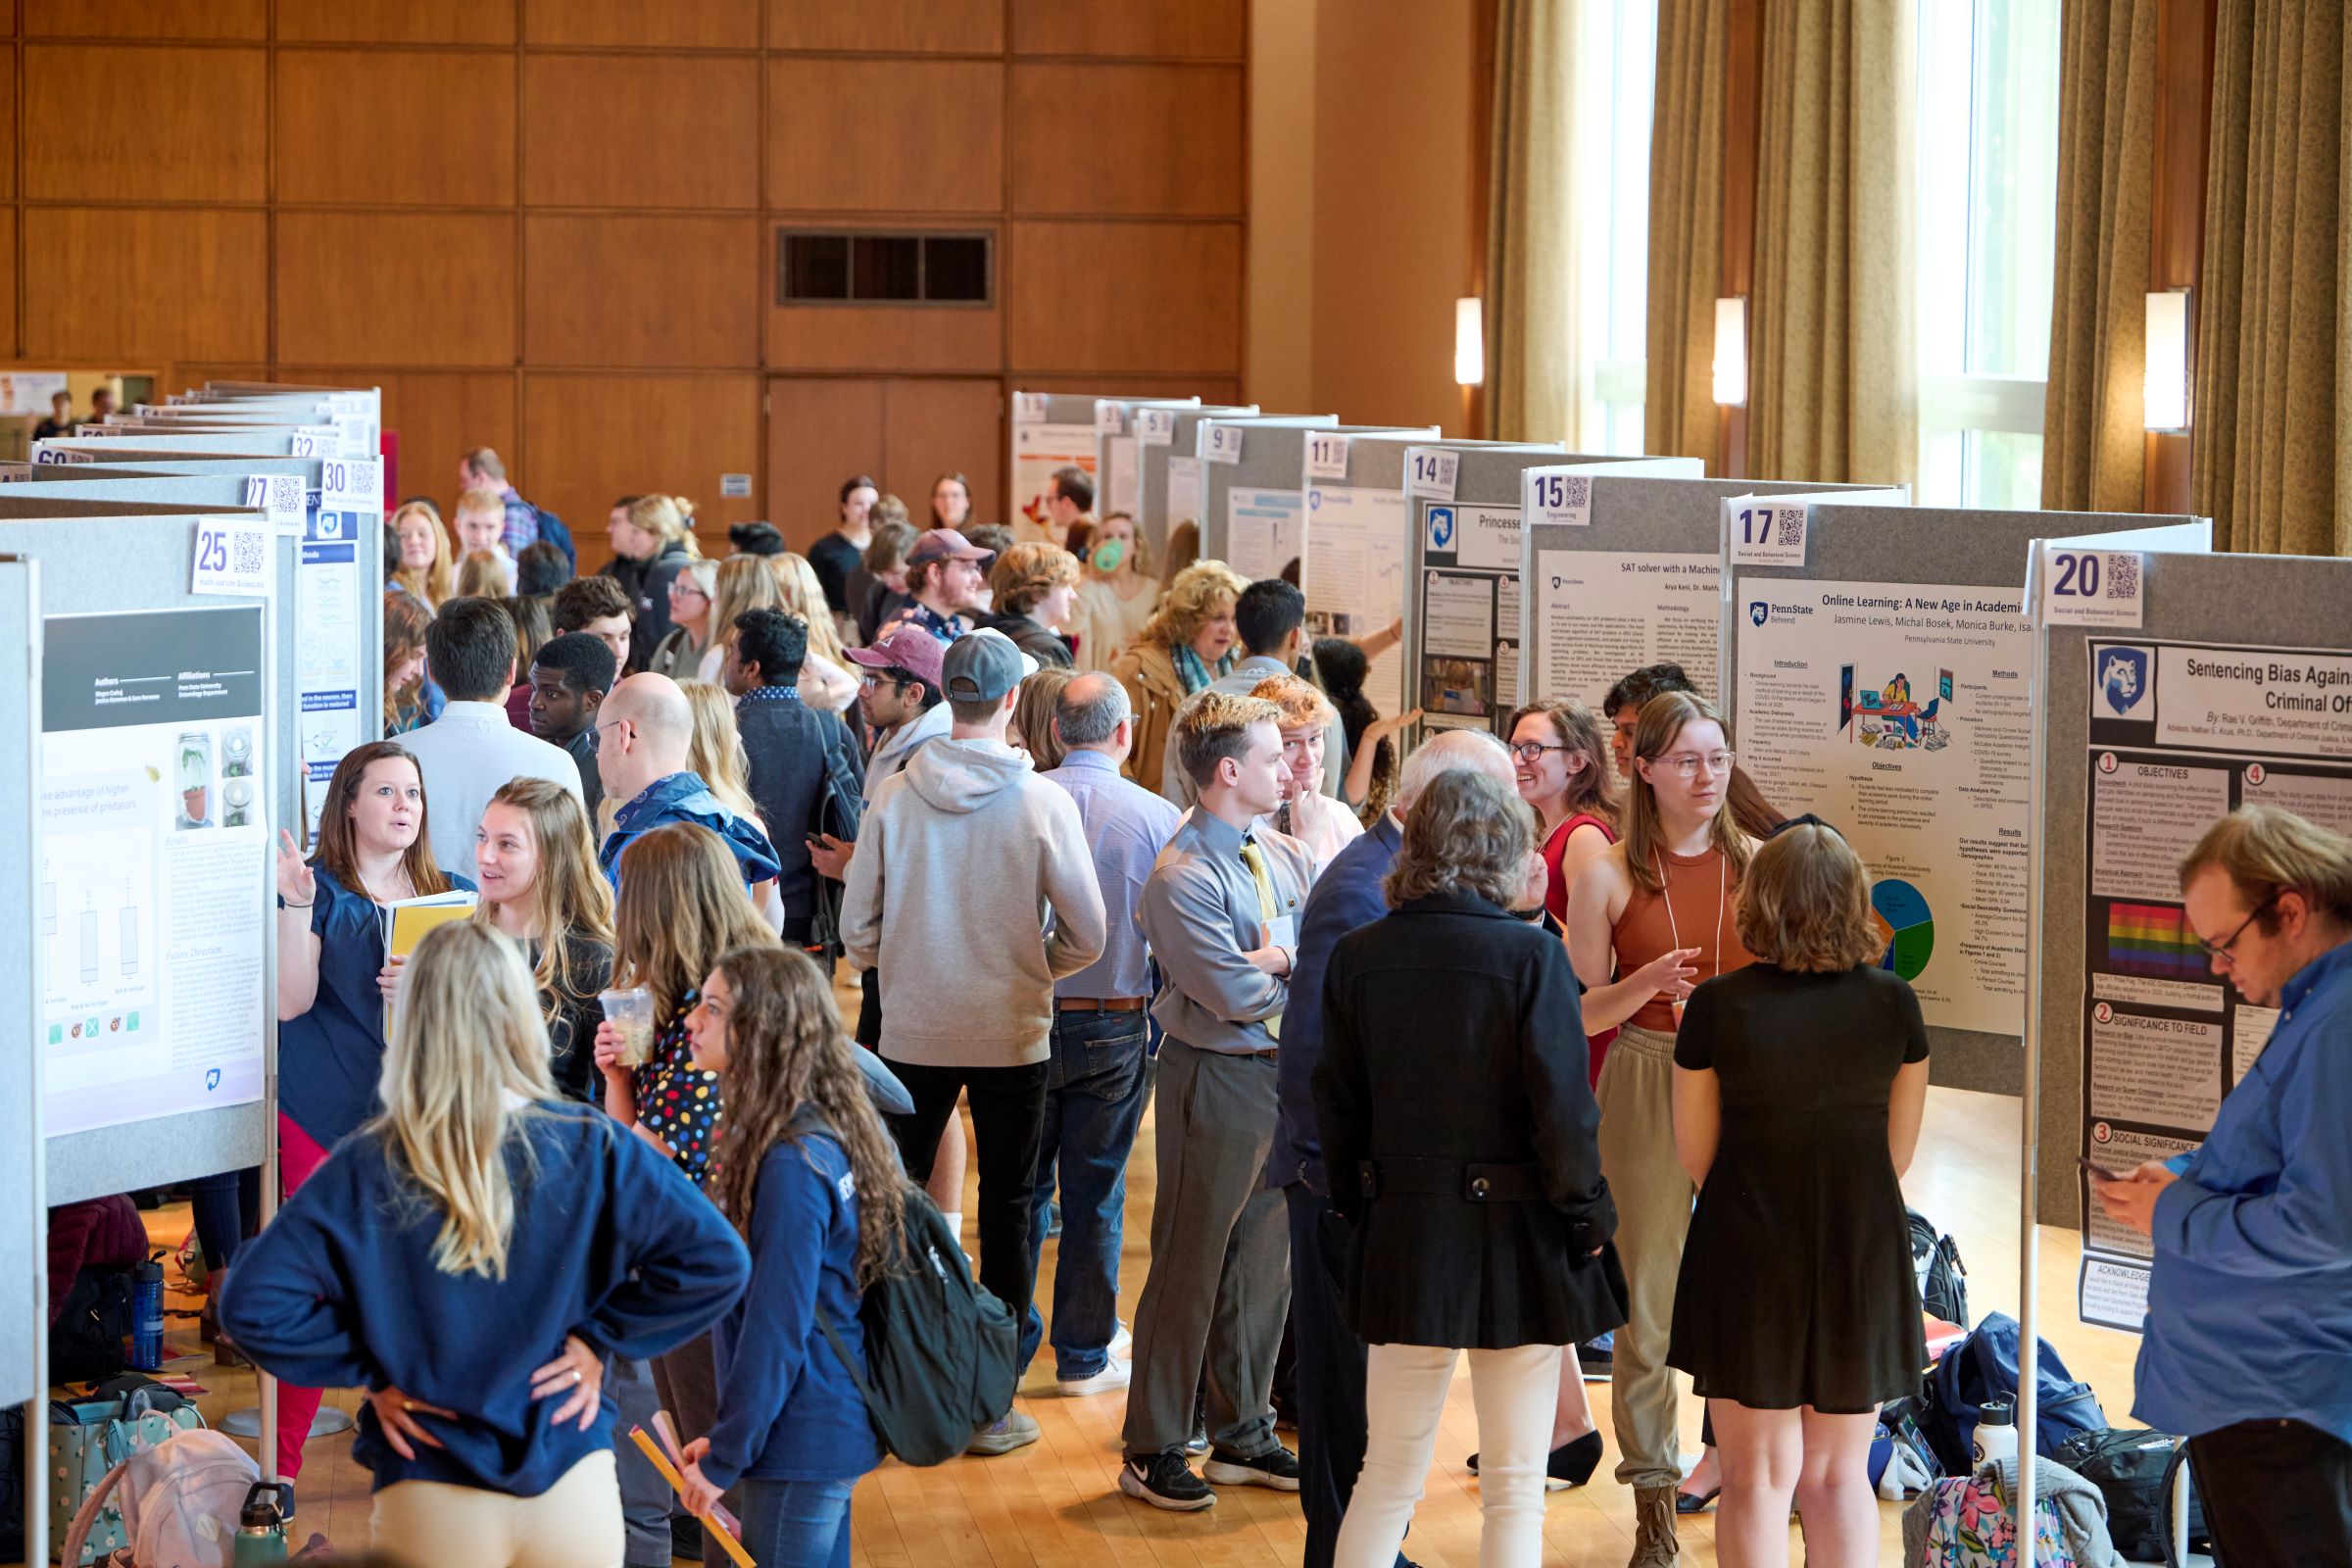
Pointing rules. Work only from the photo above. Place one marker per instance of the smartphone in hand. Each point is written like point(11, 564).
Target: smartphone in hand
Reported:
point(2101, 1173)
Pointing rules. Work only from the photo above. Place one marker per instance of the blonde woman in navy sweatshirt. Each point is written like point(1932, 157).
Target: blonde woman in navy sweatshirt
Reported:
point(809, 1177)
point(470, 1256)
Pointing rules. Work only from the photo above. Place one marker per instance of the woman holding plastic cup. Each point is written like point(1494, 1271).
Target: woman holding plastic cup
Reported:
point(1648, 918)
point(536, 862)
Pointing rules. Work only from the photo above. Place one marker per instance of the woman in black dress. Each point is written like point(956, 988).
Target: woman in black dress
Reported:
point(1798, 1086)
point(1458, 1128)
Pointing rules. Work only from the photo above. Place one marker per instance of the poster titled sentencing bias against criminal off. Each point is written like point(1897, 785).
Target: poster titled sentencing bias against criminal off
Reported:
point(2179, 735)
point(154, 854)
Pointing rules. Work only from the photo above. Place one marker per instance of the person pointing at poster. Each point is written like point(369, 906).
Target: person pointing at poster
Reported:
point(2250, 1301)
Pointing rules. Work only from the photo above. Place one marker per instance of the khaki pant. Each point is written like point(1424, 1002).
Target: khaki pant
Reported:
point(573, 1524)
point(1653, 1198)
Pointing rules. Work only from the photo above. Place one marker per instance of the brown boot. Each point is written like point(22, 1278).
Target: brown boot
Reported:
point(1654, 1545)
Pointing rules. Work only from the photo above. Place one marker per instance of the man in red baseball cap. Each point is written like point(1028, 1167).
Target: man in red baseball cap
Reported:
point(945, 575)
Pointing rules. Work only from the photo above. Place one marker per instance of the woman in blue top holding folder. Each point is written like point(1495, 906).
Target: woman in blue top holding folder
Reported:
point(334, 986)
point(811, 1179)
point(470, 1256)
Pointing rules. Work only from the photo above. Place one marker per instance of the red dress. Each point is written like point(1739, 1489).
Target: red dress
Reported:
point(1555, 904)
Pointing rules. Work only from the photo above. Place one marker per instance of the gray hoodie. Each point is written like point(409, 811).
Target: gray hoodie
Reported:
point(972, 892)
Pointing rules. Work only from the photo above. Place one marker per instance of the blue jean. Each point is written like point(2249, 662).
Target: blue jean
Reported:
point(1094, 1085)
point(796, 1524)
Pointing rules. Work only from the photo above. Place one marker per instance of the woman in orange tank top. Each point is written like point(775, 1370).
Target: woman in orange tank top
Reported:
point(1647, 920)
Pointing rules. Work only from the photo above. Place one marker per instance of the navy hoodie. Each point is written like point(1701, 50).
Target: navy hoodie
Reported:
point(609, 1243)
point(685, 798)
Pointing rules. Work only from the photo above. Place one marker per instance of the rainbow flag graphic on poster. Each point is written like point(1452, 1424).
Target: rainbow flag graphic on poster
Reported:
point(2152, 939)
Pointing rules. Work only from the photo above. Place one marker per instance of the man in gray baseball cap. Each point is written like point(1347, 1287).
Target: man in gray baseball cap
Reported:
point(961, 843)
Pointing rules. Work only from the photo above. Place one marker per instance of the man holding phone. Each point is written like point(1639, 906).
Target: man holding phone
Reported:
point(2248, 1346)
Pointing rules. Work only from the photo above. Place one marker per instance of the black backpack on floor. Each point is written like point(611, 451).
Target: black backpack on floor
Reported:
point(2135, 1470)
point(1943, 1277)
point(86, 1342)
point(939, 1350)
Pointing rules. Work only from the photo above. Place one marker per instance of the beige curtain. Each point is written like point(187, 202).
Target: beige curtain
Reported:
point(2093, 443)
point(2272, 408)
point(1686, 229)
point(1833, 371)
point(1534, 388)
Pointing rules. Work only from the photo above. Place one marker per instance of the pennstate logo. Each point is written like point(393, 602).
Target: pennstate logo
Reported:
point(1757, 610)
point(2123, 679)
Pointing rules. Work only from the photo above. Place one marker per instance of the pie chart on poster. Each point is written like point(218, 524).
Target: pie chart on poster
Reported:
point(1907, 913)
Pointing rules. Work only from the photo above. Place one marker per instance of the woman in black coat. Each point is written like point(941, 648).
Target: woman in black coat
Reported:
point(1458, 1128)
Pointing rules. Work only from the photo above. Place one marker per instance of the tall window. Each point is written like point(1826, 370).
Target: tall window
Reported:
point(1617, 56)
point(1987, 216)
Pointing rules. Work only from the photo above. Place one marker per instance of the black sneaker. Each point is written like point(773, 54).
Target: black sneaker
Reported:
point(1165, 1480)
point(686, 1538)
point(1276, 1468)
point(1198, 1443)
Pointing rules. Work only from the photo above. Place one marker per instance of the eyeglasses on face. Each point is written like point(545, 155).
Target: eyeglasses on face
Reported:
point(2224, 950)
point(1531, 751)
point(1685, 764)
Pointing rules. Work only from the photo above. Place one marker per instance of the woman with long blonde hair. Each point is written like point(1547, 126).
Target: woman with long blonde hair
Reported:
point(1648, 918)
point(426, 571)
point(716, 751)
point(824, 683)
point(1189, 642)
point(811, 1180)
point(470, 1256)
point(536, 862)
point(744, 584)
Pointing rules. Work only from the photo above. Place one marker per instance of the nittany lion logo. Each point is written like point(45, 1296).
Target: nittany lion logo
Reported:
point(1756, 611)
point(2124, 679)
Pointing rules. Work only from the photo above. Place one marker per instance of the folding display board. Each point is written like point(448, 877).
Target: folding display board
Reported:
point(1878, 670)
point(1253, 486)
point(1464, 665)
point(2230, 685)
point(273, 442)
point(1167, 445)
point(1050, 430)
point(24, 1310)
point(1118, 451)
point(161, 712)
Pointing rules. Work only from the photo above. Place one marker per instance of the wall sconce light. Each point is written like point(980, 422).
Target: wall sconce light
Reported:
point(1731, 350)
point(2165, 392)
point(1469, 343)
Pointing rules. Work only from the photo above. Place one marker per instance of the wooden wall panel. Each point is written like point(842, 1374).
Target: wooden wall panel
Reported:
point(1182, 30)
point(819, 433)
point(916, 337)
point(335, 272)
point(1137, 296)
point(442, 416)
point(199, 131)
point(892, 27)
point(1187, 162)
point(395, 22)
point(670, 24)
point(886, 136)
point(8, 277)
point(935, 428)
point(8, 131)
point(589, 282)
point(589, 438)
point(148, 18)
point(1225, 391)
point(436, 129)
point(629, 130)
point(121, 283)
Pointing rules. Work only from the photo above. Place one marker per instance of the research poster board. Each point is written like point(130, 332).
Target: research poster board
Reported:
point(23, 1313)
point(1050, 430)
point(1263, 455)
point(156, 712)
point(2232, 687)
point(1174, 482)
point(1880, 676)
point(1465, 661)
point(1118, 448)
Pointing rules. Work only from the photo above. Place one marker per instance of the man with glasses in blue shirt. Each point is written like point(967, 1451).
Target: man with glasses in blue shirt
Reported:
point(2248, 1342)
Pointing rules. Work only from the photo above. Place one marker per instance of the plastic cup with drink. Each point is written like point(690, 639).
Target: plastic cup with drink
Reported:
point(630, 1013)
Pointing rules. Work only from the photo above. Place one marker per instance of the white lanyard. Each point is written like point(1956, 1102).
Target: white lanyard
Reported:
point(1722, 887)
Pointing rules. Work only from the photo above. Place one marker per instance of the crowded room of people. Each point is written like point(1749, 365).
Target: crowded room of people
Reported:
point(1179, 783)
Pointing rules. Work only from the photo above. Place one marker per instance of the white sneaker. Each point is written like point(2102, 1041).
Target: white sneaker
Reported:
point(1122, 1342)
point(1112, 1376)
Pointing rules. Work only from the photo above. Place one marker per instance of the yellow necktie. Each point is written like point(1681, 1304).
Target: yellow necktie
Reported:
point(1255, 860)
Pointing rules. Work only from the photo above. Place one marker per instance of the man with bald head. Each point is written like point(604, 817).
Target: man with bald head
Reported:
point(644, 731)
point(1095, 1077)
point(1331, 1358)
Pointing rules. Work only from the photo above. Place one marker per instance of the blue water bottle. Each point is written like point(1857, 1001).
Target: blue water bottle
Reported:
point(147, 1316)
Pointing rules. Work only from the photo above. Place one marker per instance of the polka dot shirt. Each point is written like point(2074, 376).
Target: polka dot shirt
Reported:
point(677, 1102)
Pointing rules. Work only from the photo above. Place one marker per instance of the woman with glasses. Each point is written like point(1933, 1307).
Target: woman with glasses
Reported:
point(680, 653)
point(1647, 920)
point(1798, 1086)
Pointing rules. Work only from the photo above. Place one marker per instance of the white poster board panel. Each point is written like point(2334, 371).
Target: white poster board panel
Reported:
point(1355, 585)
point(1038, 450)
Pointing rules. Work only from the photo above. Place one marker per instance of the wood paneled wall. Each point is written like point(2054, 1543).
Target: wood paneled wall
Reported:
point(548, 225)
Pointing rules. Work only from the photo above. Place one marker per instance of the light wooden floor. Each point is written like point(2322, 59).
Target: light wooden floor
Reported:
point(1057, 1503)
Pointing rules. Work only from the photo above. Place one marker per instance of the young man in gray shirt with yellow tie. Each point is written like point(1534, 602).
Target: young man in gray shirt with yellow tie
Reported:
point(1222, 913)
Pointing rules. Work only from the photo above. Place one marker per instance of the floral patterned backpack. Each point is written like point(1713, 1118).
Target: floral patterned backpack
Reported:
point(1971, 1524)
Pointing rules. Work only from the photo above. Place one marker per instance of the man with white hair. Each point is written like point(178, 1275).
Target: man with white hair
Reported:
point(644, 731)
point(1331, 1358)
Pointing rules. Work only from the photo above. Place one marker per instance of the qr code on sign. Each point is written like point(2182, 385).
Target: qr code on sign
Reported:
point(2123, 577)
point(1788, 529)
point(251, 551)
